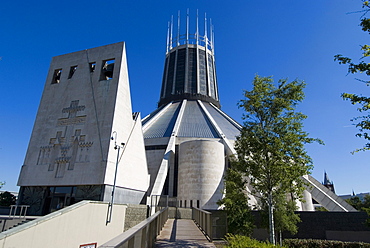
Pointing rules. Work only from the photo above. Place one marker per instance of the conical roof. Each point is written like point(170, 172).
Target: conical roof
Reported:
point(198, 120)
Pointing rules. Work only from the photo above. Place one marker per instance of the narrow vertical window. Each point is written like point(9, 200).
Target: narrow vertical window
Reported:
point(72, 71)
point(107, 69)
point(92, 66)
point(56, 76)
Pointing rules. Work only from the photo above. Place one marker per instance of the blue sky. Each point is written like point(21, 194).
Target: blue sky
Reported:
point(283, 39)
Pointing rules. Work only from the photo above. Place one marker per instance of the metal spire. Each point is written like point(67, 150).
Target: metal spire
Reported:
point(171, 32)
point(205, 28)
point(168, 38)
point(178, 28)
point(197, 31)
point(213, 40)
point(187, 27)
point(211, 33)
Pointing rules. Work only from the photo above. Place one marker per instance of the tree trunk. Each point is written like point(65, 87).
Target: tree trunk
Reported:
point(281, 238)
point(271, 219)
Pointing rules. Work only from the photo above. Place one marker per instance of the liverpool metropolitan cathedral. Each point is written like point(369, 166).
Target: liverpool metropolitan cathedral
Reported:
point(87, 144)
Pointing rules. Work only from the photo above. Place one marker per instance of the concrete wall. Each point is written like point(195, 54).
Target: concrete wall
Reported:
point(201, 168)
point(82, 223)
point(316, 224)
point(134, 215)
point(179, 213)
point(219, 223)
point(132, 170)
point(154, 158)
point(342, 226)
point(349, 236)
point(123, 195)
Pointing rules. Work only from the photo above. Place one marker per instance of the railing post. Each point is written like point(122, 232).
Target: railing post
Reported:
point(210, 227)
point(150, 235)
point(22, 211)
point(143, 237)
point(11, 209)
point(204, 220)
point(131, 242)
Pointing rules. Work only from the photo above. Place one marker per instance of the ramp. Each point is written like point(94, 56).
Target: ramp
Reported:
point(182, 233)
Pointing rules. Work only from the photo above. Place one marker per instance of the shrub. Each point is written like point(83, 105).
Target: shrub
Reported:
point(7, 199)
point(316, 243)
point(239, 241)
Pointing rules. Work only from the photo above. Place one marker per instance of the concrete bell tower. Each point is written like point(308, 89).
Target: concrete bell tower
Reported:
point(71, 157)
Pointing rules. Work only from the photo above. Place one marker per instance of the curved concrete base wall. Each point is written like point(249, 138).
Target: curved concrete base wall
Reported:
point(201, 168)
point(307, 204)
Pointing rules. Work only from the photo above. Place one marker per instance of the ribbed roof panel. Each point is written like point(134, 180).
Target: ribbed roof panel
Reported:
point(151, 115)
point(195, 123)
point(229, 129)
point(163, 126)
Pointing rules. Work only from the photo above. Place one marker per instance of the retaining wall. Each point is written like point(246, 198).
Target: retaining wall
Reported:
point(341, 226)
point(81, 223)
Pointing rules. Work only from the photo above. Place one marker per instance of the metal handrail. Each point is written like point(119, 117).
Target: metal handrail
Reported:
point(204, 220)
point(22, 212)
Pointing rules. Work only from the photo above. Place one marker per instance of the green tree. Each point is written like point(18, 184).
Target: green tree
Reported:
point(355, 202)
point(361, 122)
point(285, 217)
point(235, 203)
point(270, 149)
point(7, 199)
point(2, 184)
point(361, 205)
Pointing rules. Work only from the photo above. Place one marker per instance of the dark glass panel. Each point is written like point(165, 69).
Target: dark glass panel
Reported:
point(180, 71)
point(164, 77)
point(192, 71)
point(66, 190)
point(171, 69)
point(210, 76)
point(202, 72)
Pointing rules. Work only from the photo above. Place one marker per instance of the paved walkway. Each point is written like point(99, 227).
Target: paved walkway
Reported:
point(182, 233)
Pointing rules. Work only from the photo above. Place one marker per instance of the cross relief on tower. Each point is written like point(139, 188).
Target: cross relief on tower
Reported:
point(72, 118)
point(69, 146)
